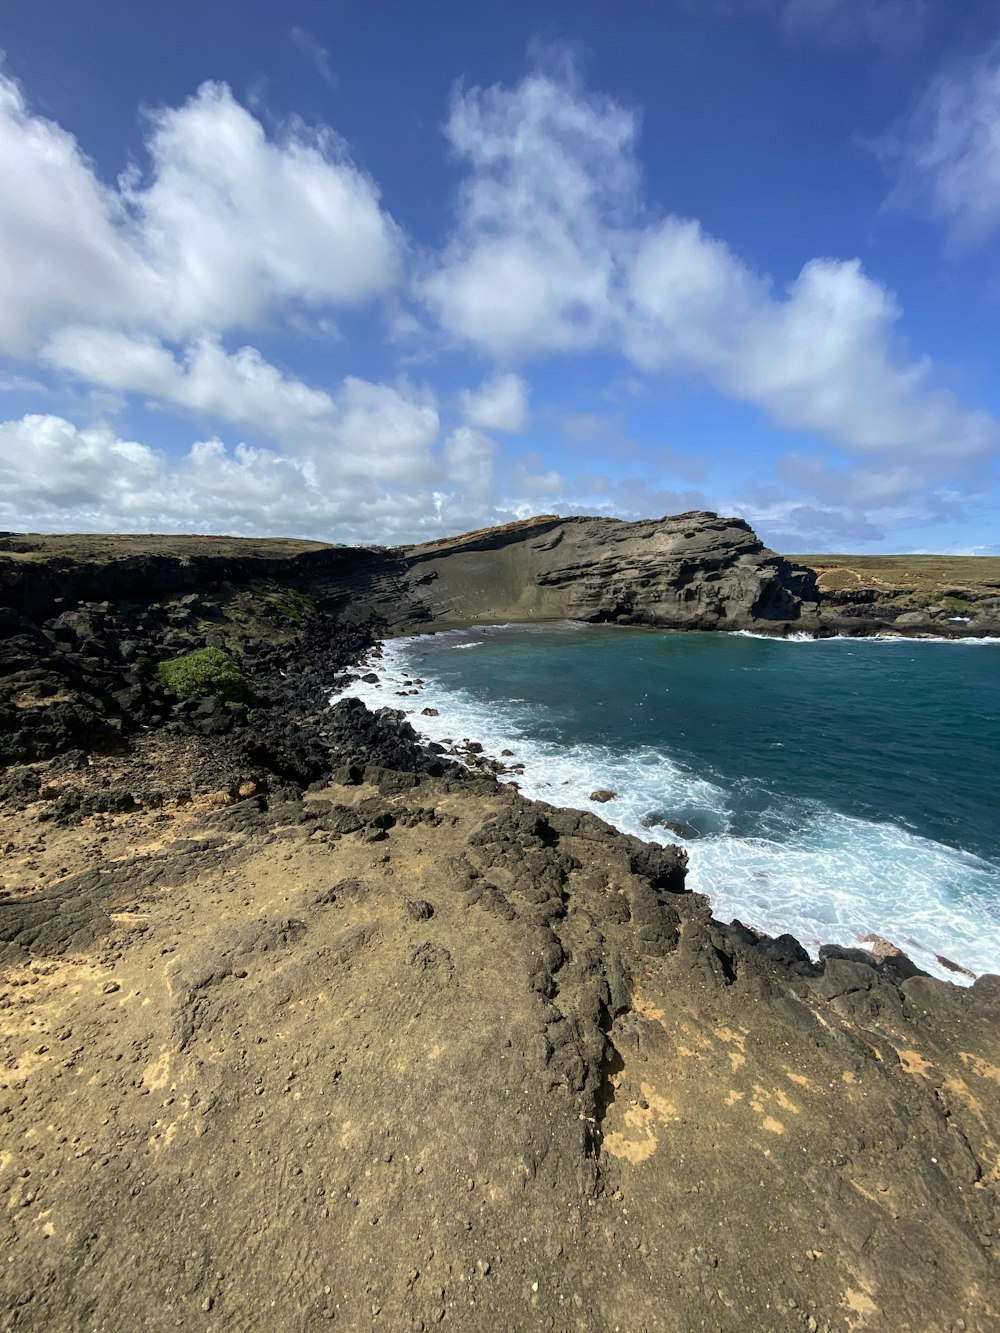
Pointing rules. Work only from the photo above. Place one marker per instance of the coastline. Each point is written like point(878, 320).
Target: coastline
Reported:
point(819, 881)
point(787, 634)
point(302, 1022)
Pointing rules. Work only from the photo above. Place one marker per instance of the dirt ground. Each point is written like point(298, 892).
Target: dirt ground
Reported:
point(406, 1052)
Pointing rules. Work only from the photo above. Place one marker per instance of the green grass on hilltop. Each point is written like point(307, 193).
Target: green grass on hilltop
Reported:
point(100, 548)
point(949, 579)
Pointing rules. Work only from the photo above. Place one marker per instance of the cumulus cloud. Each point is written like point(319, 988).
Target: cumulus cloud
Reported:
point(386, 433)
point(145, 288)
point(48, 466)
point(384, 430)
point(820, 357)
point(805, 528)
point(946, 155)
point(55, 476)
point(534, 482)
point(500, 403)
point(553, 251)
point(530, 267)
point(226, 228)
point(242, 388)
point(469, 458)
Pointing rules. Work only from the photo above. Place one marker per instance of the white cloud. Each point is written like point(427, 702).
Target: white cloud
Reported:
point(532, 481)
point(553, 252)
point(21, 384)
point(529, 267)
point(947, 154)
point(47, 466)
point(500, 403)
point(237, 223)
point(469, 458)
point(375, 429)
point(386, 433)
point(317, 55)
point(228, 227)
point(145, 289)
point(807, 527)
point(55, 476)
point(63, 235)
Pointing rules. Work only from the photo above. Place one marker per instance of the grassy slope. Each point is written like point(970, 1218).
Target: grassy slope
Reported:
point(949, 580)
point(101, 546)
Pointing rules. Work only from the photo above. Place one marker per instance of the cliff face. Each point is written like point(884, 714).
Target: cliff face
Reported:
point(300, 1023)
point(946, 596)
point(41, 576)
point(688, 571)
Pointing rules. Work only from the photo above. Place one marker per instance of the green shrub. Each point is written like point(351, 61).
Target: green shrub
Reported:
point(205, 673)
point(291, 604)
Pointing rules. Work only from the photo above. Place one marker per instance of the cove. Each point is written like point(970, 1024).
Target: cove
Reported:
point(832, 788)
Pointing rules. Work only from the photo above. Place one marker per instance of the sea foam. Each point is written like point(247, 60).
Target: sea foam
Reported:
point(821, 875)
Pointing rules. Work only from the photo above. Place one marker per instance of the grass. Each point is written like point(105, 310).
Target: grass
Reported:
point(290, 604)
point(956, 582)
point(100, 547)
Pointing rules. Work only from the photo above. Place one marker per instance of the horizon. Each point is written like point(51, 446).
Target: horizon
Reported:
point(266, 536)
point(392, 277)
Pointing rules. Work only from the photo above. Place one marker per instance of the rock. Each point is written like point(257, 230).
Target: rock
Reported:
point(429, 712)
point(952, 966)
point(675, 826)
point(586, 1034)
point(602, 796)
point(912, 620)
point(690, 571)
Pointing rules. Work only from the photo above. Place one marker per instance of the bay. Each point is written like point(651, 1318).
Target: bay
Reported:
point(832, 788)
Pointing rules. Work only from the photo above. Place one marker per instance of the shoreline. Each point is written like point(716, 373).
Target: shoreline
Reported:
point(789, 635)
point(301, 1022)
point(504, 754)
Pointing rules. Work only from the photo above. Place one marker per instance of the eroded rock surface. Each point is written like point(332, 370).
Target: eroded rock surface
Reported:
point(409, 1050)
point(688, 571)
point(301, 1022)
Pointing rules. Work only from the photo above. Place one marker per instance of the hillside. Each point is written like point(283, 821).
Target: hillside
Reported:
point(303, 1023)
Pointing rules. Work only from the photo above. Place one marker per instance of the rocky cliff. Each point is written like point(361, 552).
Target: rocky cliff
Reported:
point(302, 1023)
point(688, 571)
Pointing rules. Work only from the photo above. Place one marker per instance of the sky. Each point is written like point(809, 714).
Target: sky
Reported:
point(377, 271)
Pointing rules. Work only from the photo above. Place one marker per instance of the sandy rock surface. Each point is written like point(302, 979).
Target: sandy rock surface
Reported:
point(413, 1051)
point(302, 1023)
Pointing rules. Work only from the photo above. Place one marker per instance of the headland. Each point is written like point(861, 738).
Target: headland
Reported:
point(303, 1023)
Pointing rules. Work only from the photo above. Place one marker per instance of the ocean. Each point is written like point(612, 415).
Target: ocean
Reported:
point(833, 788)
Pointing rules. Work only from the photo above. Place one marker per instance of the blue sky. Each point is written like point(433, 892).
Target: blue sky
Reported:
point(383, 271)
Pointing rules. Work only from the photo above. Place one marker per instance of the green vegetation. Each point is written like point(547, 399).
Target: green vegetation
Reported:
point(103, 549)
point(290, 604)
point(955, 582)
point(206, 673)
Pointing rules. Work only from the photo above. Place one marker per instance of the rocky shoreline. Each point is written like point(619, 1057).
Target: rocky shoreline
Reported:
point(302, 1022)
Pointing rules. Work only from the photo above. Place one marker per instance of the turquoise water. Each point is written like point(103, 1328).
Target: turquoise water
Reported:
point(831, 788)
